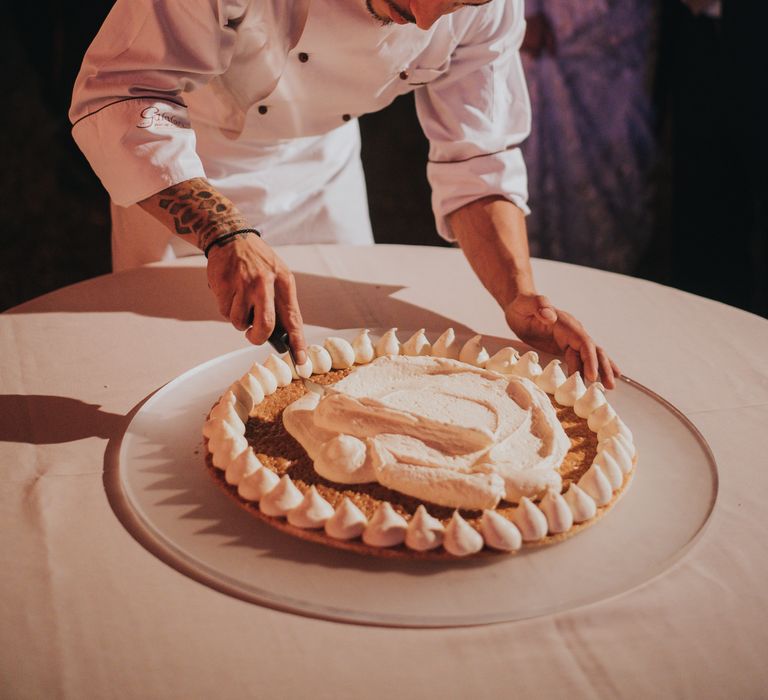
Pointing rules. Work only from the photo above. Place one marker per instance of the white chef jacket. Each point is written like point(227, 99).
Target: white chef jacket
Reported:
point(261, 98)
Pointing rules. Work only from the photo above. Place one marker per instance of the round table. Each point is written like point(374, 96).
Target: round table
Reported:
point(87, 611)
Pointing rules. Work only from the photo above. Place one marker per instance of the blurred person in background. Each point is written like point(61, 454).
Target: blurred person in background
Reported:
point(592, 148)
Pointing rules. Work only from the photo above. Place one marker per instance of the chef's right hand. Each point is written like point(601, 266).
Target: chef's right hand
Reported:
point(251, 283)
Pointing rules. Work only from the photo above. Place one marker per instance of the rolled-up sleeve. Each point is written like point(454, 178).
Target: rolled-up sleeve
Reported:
point(128, 111)
point(477, 114)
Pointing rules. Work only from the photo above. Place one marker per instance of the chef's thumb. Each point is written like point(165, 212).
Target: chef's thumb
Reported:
point(545, 312)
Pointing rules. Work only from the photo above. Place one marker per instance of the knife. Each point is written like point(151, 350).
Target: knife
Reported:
point(279, 341)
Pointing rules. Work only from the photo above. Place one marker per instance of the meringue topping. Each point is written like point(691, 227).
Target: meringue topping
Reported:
point(424, 532)
point(593, 398)
point(225, 410)
point(435, 429)
point(615, 426)
point(596, 484)
point(582, 505)
point(212, 430)
point(341, 351)
point(242, 410)
point(280, 369)
point(217, 431)
point(264, 377)
point(416, 345)
point(345, 460)
point(621, 448)
point(245, 463)
point(435, 484)
point(499, 533)
point(557, 512)
point(284, 497)
point(303, 371)
point(388, 344)
point(601, 416)
point(347, 522)
point(386, 528)
point(473, 352)
point(363, 348)
point(551, 377)
point(447, 346)
point(531, 522)
point(571, 390)
point(312, 512)
point(610, 467)
point(248, 392)
point(461, 539)
point(225, 444)
point(527, 366)
point(320, 359)
point(256, 485)
point(503, 361)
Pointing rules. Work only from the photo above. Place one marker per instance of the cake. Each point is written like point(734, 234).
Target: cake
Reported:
point(419, 449)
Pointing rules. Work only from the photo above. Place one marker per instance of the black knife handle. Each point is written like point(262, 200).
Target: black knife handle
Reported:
point(279, 338)
point(279, 341)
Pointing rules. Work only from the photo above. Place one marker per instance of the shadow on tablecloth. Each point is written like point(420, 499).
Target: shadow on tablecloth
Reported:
point(182, 293)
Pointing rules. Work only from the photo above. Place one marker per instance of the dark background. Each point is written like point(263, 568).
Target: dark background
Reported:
point(709, 87)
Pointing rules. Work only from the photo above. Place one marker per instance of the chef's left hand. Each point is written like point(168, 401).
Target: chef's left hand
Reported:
point(535, 321)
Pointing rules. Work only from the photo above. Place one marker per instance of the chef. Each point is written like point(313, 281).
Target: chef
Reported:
point(230, 126)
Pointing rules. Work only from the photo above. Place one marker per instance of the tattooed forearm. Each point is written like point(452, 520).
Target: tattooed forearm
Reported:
point(195, 210)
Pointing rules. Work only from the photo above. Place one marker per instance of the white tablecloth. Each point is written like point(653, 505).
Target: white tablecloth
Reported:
point(87, 612)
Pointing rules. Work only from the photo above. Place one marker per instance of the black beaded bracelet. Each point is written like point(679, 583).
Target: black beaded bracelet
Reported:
point(224, 238)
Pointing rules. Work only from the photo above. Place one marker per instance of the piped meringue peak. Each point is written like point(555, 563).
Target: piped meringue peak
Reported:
point(459, 429)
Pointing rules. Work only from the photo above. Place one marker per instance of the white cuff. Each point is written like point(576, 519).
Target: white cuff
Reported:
point(457, 184)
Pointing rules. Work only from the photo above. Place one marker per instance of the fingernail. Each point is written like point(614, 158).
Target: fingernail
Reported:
point(548, 314)
point(301, 357)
